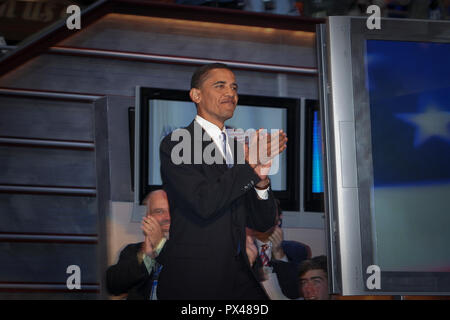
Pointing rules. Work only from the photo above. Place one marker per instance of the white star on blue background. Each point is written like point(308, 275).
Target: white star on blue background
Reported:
point(430, 123)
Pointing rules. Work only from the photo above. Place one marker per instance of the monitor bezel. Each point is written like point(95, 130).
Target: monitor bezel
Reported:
point(349, 195)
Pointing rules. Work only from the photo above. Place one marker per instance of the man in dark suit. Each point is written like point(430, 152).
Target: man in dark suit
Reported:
point(211, 201)
point(137, 269)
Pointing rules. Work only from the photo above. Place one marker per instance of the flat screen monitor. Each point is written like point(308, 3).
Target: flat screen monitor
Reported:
point(160, 111)
point(385, 108)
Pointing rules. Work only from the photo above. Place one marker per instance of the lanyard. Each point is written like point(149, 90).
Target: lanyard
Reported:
point(155, 275)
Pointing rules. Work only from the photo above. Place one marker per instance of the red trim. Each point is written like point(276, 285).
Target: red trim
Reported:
point(49, 140)
point(50, 234)
point(57, 190)
point(26, 90)
point(43, 289)
point(47, 238)
point(85, 52)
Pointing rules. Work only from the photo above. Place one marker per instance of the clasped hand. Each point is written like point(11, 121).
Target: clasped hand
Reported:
point(153, 235)
point(261, 150)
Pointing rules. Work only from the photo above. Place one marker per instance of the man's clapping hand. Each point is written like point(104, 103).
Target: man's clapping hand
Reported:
point(153, 235)
point(261, 150)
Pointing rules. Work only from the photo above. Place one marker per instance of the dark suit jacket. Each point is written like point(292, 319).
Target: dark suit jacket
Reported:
point(287, 275)
point(287, 272)
point(128, 276)
point(210, 205)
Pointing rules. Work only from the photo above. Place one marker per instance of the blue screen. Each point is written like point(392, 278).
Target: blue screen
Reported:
point(317, 171)
point(409, 92)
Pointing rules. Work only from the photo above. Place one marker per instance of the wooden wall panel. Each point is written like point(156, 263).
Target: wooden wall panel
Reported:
point(43, 231)
point(45, 119)
point(46, 166)
point(118, 77)
point(197, 39)
point(94, 75)
point(29, 262)
point(30, 213)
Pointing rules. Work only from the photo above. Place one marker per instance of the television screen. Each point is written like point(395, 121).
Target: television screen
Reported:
point(410, 121)
point(314, 184)
point(162, 111)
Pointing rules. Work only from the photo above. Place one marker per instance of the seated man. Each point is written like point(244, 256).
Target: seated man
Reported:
point(279, 259)
point(137, 270)
point(313, 275)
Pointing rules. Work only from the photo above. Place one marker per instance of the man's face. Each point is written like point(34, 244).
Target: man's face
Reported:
point(158, 208)
point(217, 96)
point(314, 285)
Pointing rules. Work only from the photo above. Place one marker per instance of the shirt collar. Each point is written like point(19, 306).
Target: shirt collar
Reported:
point(210, 127)
point(260, 243)
point(215, 133)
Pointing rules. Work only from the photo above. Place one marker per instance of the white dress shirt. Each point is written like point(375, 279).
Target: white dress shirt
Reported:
point(270, 283)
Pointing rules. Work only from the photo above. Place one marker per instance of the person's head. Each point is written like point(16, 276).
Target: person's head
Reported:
point(313, 276)
point(158, 207)
point(214, 92)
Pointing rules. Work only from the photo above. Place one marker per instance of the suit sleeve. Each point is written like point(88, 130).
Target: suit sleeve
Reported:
point(287, 274)
point(262, 213)
point(206, 197)
point(128, 272)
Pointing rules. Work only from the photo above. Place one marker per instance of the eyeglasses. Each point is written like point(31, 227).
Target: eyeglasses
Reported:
point(159, 211)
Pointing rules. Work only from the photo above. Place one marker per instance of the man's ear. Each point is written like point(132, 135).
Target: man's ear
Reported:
point(194, 93)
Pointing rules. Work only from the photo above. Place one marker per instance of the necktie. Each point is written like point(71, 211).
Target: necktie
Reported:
point(263, 255)
point(228, 157)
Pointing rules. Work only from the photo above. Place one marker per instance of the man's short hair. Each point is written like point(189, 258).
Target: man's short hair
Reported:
point(316, 263)
point(200, 74)
point(149, 195)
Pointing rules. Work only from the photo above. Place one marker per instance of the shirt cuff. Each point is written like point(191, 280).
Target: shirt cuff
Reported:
point(263, 194)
